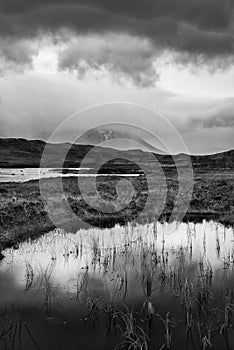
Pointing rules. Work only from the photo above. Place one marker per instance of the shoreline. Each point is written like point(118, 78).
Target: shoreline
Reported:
point(23, 216)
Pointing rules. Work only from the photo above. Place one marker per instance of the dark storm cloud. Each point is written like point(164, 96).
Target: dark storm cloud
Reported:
point(15, 55)
point(19, 52)
point(196, 26)
point(220, 122)
point(196, 31)
point(123, 56)
point(221, 117)
point(205, 13)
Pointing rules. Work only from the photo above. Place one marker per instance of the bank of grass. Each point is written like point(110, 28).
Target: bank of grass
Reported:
point(23, 215)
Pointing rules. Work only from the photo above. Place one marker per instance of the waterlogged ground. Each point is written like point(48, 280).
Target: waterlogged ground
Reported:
point(156, 286)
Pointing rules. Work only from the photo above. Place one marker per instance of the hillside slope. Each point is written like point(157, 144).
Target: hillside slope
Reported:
point(22, 153)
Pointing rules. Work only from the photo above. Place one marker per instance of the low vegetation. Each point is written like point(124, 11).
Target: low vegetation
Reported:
point(22, 212)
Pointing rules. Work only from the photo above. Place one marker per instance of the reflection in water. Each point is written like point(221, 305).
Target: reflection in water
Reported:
point(74, 279)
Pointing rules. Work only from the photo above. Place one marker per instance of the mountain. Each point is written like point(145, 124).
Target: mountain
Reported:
point(22, 153)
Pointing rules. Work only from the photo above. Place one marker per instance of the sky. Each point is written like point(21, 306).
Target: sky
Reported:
point(172, 56)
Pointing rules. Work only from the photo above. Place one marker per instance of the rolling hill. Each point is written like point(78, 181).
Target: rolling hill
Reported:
point(22, 153)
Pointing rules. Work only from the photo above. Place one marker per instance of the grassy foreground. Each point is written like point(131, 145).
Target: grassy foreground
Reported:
point(22, 212)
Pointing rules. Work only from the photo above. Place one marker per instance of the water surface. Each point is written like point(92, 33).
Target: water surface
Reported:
point(63, 286)
point(26, 174)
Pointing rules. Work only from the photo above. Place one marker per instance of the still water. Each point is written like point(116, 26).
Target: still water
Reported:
point(26, 174)
point(90, 290)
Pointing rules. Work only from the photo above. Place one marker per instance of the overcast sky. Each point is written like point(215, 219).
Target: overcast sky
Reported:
point(175, 56)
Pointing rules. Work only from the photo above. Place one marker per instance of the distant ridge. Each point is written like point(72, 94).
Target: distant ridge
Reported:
point(23, 153)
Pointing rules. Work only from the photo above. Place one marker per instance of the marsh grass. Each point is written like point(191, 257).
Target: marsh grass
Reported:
point(23, 215)
point(175, 291)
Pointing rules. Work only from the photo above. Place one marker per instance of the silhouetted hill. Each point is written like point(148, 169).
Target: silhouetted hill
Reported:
point(22, 153)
